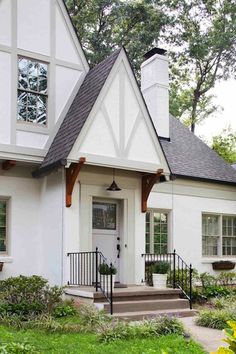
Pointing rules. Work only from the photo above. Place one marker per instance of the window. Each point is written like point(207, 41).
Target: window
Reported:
point(218, 235)
point(156, 232)
point(32, 91)
point(104, 216)
point(3, 226)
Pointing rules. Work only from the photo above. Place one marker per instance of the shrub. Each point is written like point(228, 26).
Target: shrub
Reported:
point(105, 269)
point(160, 267)
point(216, 291)
point(17, 348)
point(215, 318)
point(63, 310)
point(112, 331)
point(231, 339)
point(207, 280)
point(226, 278)
point(27, 296)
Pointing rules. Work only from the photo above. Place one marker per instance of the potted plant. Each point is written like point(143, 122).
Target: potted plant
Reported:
point(159, 274)
point(105, 270)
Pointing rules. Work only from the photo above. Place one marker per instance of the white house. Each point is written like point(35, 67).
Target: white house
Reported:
point(67, 131)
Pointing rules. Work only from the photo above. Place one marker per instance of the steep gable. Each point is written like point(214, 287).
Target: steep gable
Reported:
point(108, 122)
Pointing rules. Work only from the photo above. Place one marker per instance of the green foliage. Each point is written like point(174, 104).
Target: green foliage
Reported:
point(64, 310)
point(216, 291)
point(105, 269)
point(215, 318)
point(155, 327)
point(91, 317)
point(17, 348)
point(231, 339)
point(27, 296)
point(106, 25)
point(160, 267)
point(225, 145)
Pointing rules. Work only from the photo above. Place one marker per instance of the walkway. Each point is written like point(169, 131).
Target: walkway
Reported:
point(209, 338)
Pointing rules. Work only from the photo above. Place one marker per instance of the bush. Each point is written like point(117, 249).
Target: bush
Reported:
point(64, 309)
point(159, 326)
point(215, 291)
point(215, 318)
point(231, 339)
point(27, 296)
point(90, 316)
point(105, 269)
point(17, 348)
point(160, 267)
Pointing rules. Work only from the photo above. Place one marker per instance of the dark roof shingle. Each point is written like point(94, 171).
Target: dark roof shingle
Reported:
point(188, 156)
point(79, 111)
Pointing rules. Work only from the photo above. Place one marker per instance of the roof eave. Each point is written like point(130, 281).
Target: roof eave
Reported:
point(201, 179)
point(46, 170)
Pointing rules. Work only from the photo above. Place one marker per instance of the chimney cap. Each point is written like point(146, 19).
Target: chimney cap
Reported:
point(154, 51)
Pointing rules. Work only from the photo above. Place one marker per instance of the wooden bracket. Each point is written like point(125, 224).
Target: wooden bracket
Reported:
point(148, 182)
point(8, 164)
point(71, 175)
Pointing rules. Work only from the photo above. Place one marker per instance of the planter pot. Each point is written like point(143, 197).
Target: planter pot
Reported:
point(223, 265)
point(159, 280)
point(1, 266)
point(106, 285)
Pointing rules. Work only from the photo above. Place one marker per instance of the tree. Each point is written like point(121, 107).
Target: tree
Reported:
point(203, 35)
point(225, 145)
point(104, 25)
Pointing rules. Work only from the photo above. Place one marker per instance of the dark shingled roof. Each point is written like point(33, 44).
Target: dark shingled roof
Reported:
point(78, 112)
point(189, 157)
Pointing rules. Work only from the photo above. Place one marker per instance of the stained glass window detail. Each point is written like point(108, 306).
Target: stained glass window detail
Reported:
point(32, 91)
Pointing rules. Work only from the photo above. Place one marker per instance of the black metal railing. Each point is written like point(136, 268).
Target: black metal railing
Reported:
point(84, 271)
point(180, 274)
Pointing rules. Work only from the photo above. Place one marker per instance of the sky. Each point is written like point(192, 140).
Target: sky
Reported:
point(225, 92)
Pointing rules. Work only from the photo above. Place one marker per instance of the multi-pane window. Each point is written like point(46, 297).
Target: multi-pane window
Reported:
point(218, 235)
point(229, 236)
point(32, 91)
point(156, 232)
point(104, 216)
point(3, 226)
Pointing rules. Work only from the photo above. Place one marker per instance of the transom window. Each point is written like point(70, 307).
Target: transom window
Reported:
point(156, 232)
point(104, 216)
point(3, 226)
point(218, 235)
point(32, 91)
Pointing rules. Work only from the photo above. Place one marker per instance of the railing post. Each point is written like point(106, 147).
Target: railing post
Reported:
point(111, 293)
point(190, 289)
point(96, 269)
point(174, 270)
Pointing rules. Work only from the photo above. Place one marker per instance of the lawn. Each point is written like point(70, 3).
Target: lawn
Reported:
point(74, 343)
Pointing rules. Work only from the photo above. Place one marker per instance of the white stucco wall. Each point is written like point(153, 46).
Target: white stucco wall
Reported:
point(186, 201)
point(40, 30)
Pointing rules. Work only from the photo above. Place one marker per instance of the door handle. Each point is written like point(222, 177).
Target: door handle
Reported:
point(118, 249)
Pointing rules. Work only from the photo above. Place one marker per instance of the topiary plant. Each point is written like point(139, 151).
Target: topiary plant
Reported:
point(160, 267)
point(105, 269)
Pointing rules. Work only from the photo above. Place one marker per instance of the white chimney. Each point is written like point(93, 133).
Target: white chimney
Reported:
point(155, 88)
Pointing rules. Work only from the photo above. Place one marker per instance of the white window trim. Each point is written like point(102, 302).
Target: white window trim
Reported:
point(30, 126)
point(5, 255)
point(161, 211)
point(210, 259)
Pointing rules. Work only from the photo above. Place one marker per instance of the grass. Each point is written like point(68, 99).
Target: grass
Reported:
point(76, 343)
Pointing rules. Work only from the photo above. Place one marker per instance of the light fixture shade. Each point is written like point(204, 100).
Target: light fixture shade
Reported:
point(113, 187)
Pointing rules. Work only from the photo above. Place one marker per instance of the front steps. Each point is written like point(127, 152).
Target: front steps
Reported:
point(136, 302)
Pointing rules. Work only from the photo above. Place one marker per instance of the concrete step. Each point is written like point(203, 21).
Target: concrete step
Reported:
point(142, 315)
point(164, 294)
point(146, 305)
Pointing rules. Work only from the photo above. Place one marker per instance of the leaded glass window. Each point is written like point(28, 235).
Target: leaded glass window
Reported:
point(32, 91)
point(156, 232)
point(3, 226)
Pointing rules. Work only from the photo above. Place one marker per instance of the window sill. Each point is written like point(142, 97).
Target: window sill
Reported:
point(6, 259)
point(33, 128)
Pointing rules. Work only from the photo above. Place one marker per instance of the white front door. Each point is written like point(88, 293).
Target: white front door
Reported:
point(106, 230)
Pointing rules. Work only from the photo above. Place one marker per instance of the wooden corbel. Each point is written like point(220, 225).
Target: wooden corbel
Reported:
point(71, 175)
point(8, 164)
point(148, 182)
